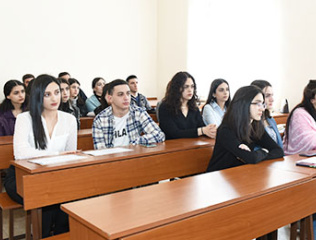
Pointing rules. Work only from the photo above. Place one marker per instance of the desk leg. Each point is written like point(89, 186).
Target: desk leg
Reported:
point(293, 233)
point(310, 227)
point(37, 223)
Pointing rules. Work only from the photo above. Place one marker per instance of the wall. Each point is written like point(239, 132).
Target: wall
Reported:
point(106, 38)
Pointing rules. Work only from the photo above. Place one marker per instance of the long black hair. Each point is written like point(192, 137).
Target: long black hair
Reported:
point(174, 91)
point(308, 95)
point(36, 108)
point(237, 116)
point(104, 103)
point(262, 84)
point(214, 86)
point(6, 104)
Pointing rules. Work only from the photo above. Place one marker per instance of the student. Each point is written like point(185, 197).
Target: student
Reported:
point(137, 98)
point(43, 131)
point(217, 102)
point(95, 100)
point(300, 131)
point(241, 130)
point(27, 78)
point(66, 75)
point(11, 106)
point(66, 105)
point(105, 102)
point(179, 116)
point(123, 124)
point(268, 121)
point(76, 100)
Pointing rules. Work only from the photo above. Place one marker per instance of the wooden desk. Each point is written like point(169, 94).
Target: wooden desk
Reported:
point(238, 203)
point(46, 185)
point(152, 101)
point(86, 122)
point(280, 118)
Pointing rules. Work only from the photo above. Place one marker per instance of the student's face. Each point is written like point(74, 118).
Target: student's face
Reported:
point(65, 93)
point(188, 89)
point(222, 93)
point(99, 87)
point(74, 90)
point(17, 95)
point(121, 97)
point(268, 97)
point(51, 99)
point(27, 81)
point(257, 107)
point(133, 85)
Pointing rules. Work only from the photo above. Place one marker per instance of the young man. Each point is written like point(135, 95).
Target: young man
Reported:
point(27, 78)
point(137, 98)
point(122, 123)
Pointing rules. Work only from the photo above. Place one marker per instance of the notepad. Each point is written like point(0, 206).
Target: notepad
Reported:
point(107, 151)
point(308, 162)
point(57, 159)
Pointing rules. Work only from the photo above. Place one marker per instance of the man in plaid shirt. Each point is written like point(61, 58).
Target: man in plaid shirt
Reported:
point(123, 124)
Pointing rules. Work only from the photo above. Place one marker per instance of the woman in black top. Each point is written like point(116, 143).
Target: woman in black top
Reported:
point(241, 130)
point(179, 116)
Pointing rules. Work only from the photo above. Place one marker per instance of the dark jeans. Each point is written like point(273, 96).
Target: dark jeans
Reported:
point(54, 220)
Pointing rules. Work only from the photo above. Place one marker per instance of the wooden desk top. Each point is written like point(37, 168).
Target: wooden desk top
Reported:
point(137, 210)
point(138, 151)
point(287, 163)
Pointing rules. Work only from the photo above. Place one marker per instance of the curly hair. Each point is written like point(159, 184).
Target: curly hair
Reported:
point(174, 91)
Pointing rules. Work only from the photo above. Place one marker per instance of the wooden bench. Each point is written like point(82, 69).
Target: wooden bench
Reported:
point(86, 122)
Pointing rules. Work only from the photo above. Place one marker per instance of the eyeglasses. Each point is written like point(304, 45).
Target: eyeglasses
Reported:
point(260, 105)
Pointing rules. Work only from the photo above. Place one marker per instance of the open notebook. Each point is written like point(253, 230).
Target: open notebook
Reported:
point(57, 159)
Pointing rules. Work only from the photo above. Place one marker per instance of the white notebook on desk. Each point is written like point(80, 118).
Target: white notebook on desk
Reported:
point(57, 159)
point(107, 151)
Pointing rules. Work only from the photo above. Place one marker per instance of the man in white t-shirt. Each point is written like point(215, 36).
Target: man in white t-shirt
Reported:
point(123, 124)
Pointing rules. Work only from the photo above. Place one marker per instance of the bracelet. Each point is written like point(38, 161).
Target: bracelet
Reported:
point(202, 130)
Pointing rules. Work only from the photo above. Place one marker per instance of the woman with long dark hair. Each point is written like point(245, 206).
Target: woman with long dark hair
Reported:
point(66, 105)
point(11, 106)
point(217, 102)
point(241, 130)
point(179, 115)
point(95, 100)
point(105, 102)
point(300, 131)
point(43, 131)
point(268, 121)
point(75, 98)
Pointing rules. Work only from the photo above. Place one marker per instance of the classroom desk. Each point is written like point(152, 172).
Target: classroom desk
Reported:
point(86, 122)
point(238, 203)
point(46, 185)
point(280, 118)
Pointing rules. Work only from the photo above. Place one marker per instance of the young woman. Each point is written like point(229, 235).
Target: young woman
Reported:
point(40, 132)
point(300, 131)
point(75, 98)
point(268, 121)
point(66, 105)
point(217, 102)
point(12, 105)
point(95, 100)
point(241, 130)
point(105, 102)
point(179, 116)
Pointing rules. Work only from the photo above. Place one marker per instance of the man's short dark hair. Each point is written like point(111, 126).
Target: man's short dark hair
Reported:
point(115, 83)
point(26, 76)
point(60, 75)
point(130, 77)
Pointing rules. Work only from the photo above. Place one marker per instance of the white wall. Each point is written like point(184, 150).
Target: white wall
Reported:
point(106, 38)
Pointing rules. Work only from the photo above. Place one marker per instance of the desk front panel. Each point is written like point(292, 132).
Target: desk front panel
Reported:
point(244, 220)
point(47, 188)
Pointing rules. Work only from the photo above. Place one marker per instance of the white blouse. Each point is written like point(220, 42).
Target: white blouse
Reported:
point(64, 136)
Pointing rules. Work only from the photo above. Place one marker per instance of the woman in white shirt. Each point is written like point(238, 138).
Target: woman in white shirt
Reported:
point(43, 131)
point(217, 102)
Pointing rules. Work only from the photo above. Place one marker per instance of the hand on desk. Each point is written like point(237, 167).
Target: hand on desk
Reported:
point(210, 130)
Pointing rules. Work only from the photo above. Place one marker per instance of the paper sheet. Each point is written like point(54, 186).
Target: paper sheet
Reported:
point(57, 159)
point(107, 151)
